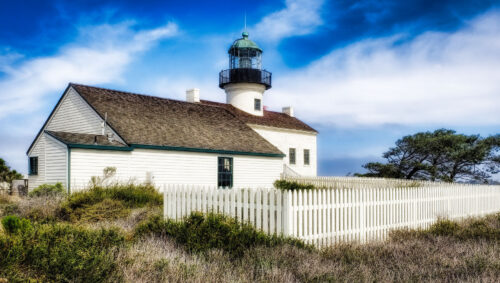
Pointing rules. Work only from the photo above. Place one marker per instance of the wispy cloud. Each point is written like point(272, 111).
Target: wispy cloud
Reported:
point(299, 17)
point(103, 55)
point(436, 78)
point(28, 86)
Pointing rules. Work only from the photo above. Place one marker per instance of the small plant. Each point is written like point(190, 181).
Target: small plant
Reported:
point(107, 173)
point(14, 225)
point(292, 186)
point(48, 190)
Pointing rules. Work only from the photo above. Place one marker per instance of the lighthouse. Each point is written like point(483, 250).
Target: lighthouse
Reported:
point(245, 81)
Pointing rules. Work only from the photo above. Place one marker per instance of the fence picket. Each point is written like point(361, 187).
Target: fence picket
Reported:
point(341, 211)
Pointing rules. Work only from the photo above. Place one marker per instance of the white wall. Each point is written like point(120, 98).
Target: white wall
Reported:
point(56, 160)
point(243, 95)
point(285, 139)
point(170, 167)
point(38, 150)
point(52, 161)
point(74, 115)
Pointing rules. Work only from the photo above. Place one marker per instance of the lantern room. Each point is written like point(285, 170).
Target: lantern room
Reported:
point(245, 64)
point(245, 54)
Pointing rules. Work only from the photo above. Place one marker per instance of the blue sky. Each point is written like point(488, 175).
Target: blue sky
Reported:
point(364, 73)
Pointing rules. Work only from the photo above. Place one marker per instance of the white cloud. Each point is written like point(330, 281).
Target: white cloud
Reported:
point(103, 55)
point(435, 78)
point(299, 17)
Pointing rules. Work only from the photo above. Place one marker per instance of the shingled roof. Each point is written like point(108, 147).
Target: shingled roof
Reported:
point(270, 118)
point(86, 139)
point(148, 120)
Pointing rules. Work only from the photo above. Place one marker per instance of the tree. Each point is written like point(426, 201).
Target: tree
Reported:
point(441, 155)
point(7, 175)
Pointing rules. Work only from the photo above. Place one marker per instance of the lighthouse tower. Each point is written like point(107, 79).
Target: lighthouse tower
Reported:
point(245, 82)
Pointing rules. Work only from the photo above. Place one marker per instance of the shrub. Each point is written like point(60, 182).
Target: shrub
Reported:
point(132, 195)
point(126, 195)
point(201, 232)
point(444, 227)
point(291, 186)
point(48, 190)
point(13, 224)
point(61, 252)
point(479, 228)
point(108, 209)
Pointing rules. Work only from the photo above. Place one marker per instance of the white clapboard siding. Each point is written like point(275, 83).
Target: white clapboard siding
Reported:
point(38, 150)
point(55, 161)
point(74, 115)
point(323, 217)
point(284, 139)
point(169, 167)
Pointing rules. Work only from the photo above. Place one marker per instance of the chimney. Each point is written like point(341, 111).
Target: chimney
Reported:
point(288, 111)
point(193, 95)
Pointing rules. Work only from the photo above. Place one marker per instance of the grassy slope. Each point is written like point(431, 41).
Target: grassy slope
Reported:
point(448, 251)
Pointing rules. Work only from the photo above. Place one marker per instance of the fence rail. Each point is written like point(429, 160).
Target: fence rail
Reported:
point(325, 216)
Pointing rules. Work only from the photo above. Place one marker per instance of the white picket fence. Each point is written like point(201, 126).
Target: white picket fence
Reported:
point(326, 216)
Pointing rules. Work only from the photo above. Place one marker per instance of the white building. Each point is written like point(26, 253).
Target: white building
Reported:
point(147, 138)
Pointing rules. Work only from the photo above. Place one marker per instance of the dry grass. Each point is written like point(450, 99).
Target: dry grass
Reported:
point(444, 259)
point(44, 208)
point(160, 260)
point(129, 223)
point(467, 251)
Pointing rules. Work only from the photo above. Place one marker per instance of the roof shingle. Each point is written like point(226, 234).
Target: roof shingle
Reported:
point(270, 118)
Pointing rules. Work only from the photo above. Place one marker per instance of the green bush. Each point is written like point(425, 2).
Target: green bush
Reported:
point(13, 224)
point(479, 228)
point(128, 195)
point(444, 227)
point(291, 186)
point(61, 253)
point(487, 228)
point(131, 195)
point(108, 209)
point(48, 190)
point(201, 232)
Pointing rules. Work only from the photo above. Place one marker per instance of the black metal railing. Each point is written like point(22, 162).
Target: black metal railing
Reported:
point(242, 75)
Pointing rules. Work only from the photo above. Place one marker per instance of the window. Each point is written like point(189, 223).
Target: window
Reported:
point(225, 172)
point(306, 156)
point(257, 104)
point(291, 156)
point(33, 165)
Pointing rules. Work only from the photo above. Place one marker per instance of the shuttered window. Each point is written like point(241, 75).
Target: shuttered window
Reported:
point(33, 165)
point(291, 156)
point(225, 172)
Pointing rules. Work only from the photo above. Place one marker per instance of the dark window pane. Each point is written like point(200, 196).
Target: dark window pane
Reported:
point(33, 166)
point(292, 156)
point(257, 104)
point(225, 172)
point(306, 156)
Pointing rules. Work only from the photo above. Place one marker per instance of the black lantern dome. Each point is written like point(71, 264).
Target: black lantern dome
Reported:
point(245, 64)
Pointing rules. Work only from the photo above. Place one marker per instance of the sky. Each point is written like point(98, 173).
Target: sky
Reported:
point(363, 73)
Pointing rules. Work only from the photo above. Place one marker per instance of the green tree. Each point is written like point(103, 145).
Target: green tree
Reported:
point(442, 155)
point(6, 174)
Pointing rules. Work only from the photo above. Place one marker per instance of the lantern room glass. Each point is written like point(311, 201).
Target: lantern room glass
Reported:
point(245, 58)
